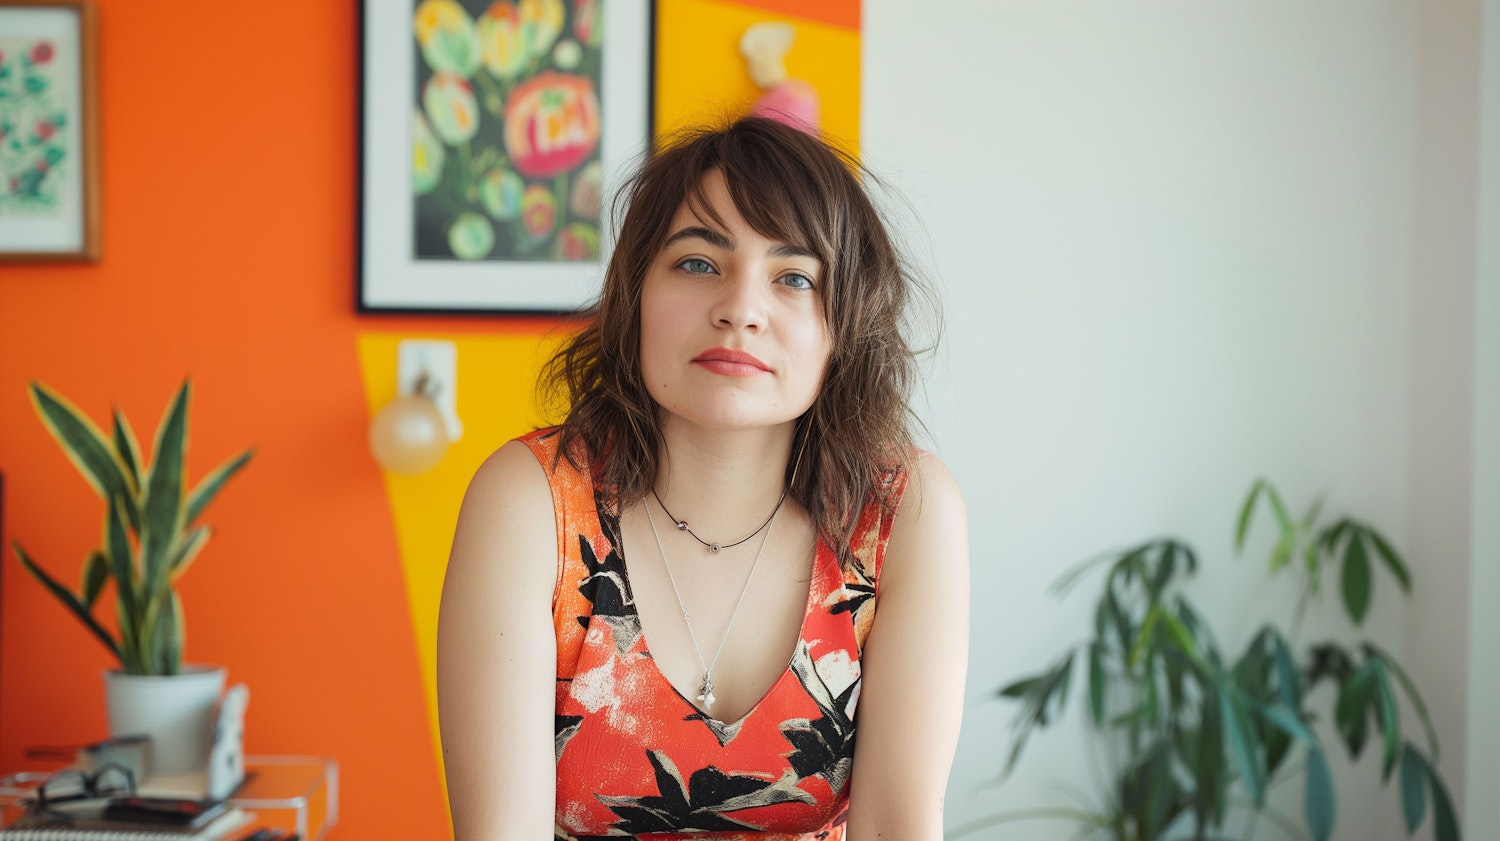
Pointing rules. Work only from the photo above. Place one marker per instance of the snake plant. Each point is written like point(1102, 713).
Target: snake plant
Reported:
point(1196, 735)
point(149, 534)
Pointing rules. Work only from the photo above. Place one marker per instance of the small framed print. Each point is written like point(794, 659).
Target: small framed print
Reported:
point(490, 136)
point(49, 149)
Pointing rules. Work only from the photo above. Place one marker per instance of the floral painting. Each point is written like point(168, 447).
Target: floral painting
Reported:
point(34, 126)
point(506, 130)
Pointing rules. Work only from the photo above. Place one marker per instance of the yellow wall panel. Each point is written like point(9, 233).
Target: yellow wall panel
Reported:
point(496, 393)
point(700, 74)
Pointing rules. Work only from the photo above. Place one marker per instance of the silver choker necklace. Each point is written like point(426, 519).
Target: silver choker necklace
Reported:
point(706, 689)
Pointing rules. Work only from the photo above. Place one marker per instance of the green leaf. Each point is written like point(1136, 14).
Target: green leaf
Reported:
point(1390, 720)
point(1320, 801)
point(1097, 684)
point(1245, 511)
point(1283, 519)
point(95, 576)
point(1330, 538)
point(1036, 694)
point(192, 543)
point(1166, 566)
point(1142, 644)
point(1208, 765)
point(1391, 560)
point(1413, 789)
point(1288, 722)
point(1356, 578)
point(1194, 634)
point(1242, 743)
point(164, 509)
point(1020, 688)
point(1444, 822)
point(1282, 554)
point(130, 642)
point(67, 598)
point(1288, 678)
point(1352, 710)
point(1117, 617)
point(1373, 650)
point(84, 444)
point(1186, 643)
point(128, 449)
point(169, 636)
point(122, 563)
point(213, 482)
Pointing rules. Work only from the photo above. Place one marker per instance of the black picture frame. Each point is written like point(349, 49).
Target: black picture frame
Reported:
point(399, 265)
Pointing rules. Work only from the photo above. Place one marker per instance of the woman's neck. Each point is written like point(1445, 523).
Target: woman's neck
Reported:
point(722, 482)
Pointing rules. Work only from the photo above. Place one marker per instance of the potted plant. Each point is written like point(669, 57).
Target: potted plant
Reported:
point(150, 538)
point(1197, 736)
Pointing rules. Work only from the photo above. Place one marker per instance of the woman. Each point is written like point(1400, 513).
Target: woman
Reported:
point(606, 667)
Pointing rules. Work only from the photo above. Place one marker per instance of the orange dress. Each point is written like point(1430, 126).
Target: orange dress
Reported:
point(636, 758)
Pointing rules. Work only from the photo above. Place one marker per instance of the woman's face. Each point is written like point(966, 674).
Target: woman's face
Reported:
point(732, 328)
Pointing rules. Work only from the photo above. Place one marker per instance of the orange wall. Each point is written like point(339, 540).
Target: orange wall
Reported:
point(228, 138)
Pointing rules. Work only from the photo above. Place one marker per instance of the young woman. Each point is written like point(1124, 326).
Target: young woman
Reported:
point(675, 612)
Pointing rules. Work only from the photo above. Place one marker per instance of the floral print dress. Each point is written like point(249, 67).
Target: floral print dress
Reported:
point(636, 758)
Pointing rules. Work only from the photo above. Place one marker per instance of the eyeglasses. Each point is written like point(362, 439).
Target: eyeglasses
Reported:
point(109, 780)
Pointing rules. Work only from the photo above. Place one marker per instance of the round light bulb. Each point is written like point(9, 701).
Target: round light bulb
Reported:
point(409, 435)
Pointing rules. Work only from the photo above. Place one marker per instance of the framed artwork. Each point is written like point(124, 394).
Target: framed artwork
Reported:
point(49, 149)
point(491, 135)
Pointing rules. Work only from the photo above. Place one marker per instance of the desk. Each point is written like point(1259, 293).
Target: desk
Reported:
point(300, 793)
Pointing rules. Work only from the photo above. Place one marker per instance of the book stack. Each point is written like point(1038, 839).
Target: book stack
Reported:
point(130, 819)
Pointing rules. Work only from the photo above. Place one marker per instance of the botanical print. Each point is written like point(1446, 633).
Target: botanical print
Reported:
point(34, 127)
point(505, 161)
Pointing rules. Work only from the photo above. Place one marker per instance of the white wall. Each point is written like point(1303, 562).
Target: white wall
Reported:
point(1482, 813)
point(1440, 447)
point(1177, 243)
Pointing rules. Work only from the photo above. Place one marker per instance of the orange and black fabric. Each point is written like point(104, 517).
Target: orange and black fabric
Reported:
point(637, 759)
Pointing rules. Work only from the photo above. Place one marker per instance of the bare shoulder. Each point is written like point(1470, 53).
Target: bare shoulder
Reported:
point(496, 652)
point(506, 523)
point(931, 526)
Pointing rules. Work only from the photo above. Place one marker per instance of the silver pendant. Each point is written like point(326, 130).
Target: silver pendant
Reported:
point(713, 548)
point(706, 693)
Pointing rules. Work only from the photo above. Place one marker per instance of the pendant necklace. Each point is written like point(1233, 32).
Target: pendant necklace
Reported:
point(714, 548)
point(706, 689)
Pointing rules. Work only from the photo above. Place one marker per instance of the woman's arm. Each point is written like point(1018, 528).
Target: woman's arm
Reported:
point(497, 654)
point(913, 664)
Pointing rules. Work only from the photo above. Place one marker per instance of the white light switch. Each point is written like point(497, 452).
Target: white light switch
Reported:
point(439, 361)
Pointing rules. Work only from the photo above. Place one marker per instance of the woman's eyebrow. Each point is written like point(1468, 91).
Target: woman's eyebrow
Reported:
point(719, 240)
point(708, 235)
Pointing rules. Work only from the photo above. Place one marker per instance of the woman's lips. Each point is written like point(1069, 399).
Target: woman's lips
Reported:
point(731, 363)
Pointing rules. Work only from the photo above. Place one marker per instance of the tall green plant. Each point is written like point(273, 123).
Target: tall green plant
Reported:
point(149, 535)
point(1199, 736)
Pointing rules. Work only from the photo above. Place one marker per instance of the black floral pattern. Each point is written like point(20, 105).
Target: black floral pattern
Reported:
point(606, 589)
point(823, 746)
point(701, 803)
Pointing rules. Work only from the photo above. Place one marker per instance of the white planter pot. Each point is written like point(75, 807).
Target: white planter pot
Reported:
point(176, 711)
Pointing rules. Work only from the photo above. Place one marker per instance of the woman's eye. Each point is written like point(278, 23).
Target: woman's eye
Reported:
point(797, 281)
point(696, 265)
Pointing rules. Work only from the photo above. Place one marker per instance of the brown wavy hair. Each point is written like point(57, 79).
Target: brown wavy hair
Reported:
point(793, 188)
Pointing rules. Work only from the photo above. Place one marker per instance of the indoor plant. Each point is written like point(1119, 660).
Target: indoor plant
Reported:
point(1195, 734)
point(150, 539)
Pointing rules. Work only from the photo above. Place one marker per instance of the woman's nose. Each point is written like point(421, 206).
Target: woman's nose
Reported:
point(740, 303)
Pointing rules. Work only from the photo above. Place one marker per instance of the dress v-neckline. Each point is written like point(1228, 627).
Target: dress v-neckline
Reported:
point(655, 668)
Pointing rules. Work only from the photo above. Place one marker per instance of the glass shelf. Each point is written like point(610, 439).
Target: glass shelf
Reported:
point(300, 793)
